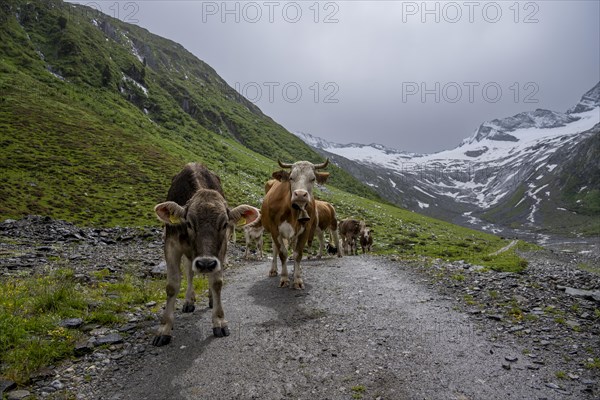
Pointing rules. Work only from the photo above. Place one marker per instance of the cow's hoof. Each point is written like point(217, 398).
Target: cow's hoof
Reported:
point(272, 273)
point(210, 303)
point(161, 340)
point(299, 285)
point(283, 283)
point(221, 332)
point(188, 308)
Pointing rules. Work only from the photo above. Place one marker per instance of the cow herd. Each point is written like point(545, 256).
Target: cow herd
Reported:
point(198, 223)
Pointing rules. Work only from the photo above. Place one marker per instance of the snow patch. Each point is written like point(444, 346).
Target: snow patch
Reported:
point(136, 83)
point(424, 192)
point(540, 189)
point(423, 205)
point(133, 49)
point(54, 74)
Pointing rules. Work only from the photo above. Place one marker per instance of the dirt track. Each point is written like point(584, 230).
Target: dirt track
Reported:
point(363, 328)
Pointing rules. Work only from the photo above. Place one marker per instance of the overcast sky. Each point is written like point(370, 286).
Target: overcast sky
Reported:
point(410, 75)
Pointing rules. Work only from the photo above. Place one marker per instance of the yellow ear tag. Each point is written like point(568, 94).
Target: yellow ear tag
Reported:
point(174, 220)
point(241, 221)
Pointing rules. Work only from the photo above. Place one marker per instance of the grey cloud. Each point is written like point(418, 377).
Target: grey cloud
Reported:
point(374, 48)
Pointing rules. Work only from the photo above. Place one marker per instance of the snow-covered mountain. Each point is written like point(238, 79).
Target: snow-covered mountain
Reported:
point(500, 129)
point(509, 171)
point(323, 144)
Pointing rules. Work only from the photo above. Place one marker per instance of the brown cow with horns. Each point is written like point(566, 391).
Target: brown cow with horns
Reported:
point(288, 213)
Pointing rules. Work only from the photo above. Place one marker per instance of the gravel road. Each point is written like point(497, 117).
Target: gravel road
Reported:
point(364, 328)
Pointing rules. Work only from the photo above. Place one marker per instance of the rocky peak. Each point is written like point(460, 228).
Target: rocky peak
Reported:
point(498, 129)
point(314, 141)
point(589, 101)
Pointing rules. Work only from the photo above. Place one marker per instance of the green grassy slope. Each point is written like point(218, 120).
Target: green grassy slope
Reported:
point(96, 150)
point(103, 58)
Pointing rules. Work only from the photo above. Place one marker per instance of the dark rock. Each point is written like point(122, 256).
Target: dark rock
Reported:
point(82, 278)
point(89, 327)
point(42, 374)
point(511, 358)
point(128, 327)
point(552, 385)
point(111, 338)
point(6, 385)
point(18, 395)
point(71, 323)
point(506, 366)
point(585, 294)
point(73, 236)
point(159, 271)
point(83, 348)
point(58, 385)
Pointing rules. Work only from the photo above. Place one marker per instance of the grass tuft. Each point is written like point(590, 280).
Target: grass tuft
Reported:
point(32, 307)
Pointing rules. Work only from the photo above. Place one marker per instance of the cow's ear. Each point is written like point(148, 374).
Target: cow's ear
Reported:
point(281, 176)
point(322, 177)
point(243, 215)
point(170, 213)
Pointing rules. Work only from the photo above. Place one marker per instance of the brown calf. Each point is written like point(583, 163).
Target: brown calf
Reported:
point(327, 221)
point(254, 233)
point(349, 230)
point(366, 237)
point(197, 220)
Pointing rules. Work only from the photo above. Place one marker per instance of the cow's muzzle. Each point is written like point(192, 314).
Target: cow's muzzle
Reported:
point(300, 199)
point(205, 264)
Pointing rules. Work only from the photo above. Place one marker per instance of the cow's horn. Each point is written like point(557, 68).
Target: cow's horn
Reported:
point(284, 165)
point(320, 166)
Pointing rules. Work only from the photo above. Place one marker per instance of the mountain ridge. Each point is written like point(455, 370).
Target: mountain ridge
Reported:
point(476, 178)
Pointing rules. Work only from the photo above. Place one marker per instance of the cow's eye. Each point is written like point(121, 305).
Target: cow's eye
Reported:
point(225, 224)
